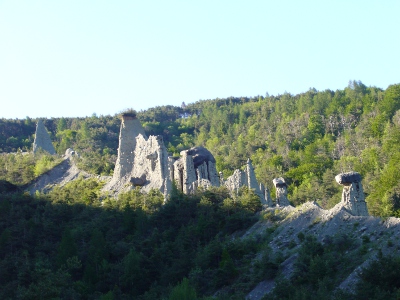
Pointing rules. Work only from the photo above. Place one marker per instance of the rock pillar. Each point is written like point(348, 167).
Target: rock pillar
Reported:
point(353, 199)
point(151, 162)
point(195, 168)
point(281, 192)
point(130, 129)
point(189, 173)
point(42, 139)
point(252, 181)
point(268, 200)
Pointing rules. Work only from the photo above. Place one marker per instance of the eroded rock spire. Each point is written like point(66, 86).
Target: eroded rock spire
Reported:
point(42, 139)
point(130, 129)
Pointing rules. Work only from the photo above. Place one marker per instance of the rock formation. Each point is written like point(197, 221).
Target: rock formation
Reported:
point(141, 161)
point(130, 129)
point(353, 199)
point(150, 164)
point(195, 168)
point(252, 181)
point(267, 197)
point(281, 192)
point(245, 178)
point(42, 139)
point(70, 153)
point(144, 162)
point(184, 173)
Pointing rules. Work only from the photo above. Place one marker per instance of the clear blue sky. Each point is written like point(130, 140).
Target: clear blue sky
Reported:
point(75, 58)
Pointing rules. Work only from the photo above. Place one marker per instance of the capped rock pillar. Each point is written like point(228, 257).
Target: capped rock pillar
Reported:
point(130, 129)
point(281, 192)
point(353, 199)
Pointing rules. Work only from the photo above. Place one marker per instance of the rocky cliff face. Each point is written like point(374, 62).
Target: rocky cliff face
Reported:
point(42, 139)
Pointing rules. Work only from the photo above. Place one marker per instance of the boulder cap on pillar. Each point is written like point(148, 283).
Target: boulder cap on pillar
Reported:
point(348, 178)
point(200, 155)
point(279, 182)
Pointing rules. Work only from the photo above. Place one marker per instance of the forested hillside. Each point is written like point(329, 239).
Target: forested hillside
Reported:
point(76, 242)
point(306, 138)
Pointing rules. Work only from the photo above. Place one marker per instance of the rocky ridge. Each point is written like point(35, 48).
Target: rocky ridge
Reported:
point(60, 175)
point(370, 235)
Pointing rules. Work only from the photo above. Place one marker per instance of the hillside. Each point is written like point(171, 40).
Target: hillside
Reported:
point(73, 240)
point(306, 138)
point(72, 243)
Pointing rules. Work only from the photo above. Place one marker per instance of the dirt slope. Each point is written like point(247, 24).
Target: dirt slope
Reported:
point(310, 219)
point(61, 174)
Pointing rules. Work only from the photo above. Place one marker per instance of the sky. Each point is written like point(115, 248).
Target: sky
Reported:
point(79, 58)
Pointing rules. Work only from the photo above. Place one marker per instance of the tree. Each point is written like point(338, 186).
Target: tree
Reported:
point(67, 248)
point(61, 125)
point(391, 101)
point(183, 291)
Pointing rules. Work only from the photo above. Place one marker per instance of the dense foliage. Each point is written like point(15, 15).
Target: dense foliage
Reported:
point(21, 168)
point(75, 243)
point(320, 268)
point(306, 138)
point(69, 244)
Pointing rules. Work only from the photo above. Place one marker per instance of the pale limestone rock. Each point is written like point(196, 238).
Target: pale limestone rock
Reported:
point(252, 181)
point(236, 181)
point(267, 200)
point(281, 192)
point(195, 168)
point(151, 162)
point(171, 178)
point(353, 199)
point(202, 171)
point(244, 178)
point(130, 129)
point(69, 152)
point(143, 162)
point(213, 174)
point(42, 139)
point(189, 174)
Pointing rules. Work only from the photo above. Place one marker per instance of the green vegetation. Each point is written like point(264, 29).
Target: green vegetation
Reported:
point(320, 268)
point(76, 243)
point(21, 168)
point(306, 138)
point(69, 244)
